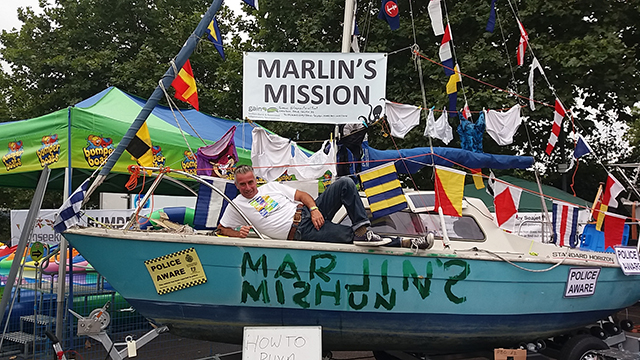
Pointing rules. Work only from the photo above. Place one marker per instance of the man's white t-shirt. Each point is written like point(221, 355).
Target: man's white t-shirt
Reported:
point(271, 211)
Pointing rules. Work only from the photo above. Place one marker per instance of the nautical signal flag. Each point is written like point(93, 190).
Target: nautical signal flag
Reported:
point(390, 12)
point(477, 178)
point(612, 189)
point(522, 46)
point(449, 188)
point(435, 14)
point(69, 213)
point(185, 85)
point(565, 224)
point(506, 201)
point(454, 79)
point(383, 190)
point(213, 34)
point(445, 53)
point(613, 230)
point(491, 23)
point(582, 148)
point(140, 147)
point(558, 115)
point(252, 3)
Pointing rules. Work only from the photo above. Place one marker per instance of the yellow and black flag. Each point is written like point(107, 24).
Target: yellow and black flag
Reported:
point(140, 147)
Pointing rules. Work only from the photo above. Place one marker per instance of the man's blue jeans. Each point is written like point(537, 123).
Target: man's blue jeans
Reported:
point(342, 192)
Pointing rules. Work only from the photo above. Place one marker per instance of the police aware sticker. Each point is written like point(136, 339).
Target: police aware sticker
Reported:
point(176, 271)
point(581, 282)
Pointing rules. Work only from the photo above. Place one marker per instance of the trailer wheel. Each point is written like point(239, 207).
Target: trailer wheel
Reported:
point(578, 346)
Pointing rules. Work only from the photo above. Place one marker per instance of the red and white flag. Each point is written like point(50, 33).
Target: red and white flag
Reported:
point(466, 112)
point(565, 224)
point(506, 201)
point(611, 192)
point(555, 130)
point(522, 46)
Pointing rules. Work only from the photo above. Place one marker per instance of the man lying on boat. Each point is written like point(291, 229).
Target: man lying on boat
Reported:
point(282, 212)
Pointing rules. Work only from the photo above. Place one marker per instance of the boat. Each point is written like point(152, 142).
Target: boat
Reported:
point(486, 288)
point(476, 286)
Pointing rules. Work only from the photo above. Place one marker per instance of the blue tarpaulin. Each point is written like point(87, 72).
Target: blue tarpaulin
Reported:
point(412, 160)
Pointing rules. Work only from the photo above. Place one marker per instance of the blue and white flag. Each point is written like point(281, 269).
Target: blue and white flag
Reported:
point(69, 212)
point(210, 206)
point(565, 223)
point(252, 3)
point(582, 148)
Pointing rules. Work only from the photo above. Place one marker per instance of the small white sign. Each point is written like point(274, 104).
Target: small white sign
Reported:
point(282, 343)
point(581, 282)
point(628, 259)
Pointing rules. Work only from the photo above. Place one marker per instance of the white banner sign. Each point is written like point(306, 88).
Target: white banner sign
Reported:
point(320, 88)
point(581, 282)
point(43, 228)
point(628, 259)
point(282, 342)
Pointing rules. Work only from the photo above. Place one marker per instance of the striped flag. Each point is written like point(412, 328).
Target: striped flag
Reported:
point(558, 115)
point(383, 190)
point(69, 213)
point(185, 85)
point(449, 188)
point(522, 46)
point(446, 56)
point(213, 34)
point(466, 112)
point(565, 224)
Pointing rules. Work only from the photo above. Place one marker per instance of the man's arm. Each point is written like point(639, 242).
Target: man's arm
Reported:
point(316, 216)
point(242, 233)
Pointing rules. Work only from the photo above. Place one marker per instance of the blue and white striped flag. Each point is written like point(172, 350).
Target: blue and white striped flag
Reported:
point(69, 212)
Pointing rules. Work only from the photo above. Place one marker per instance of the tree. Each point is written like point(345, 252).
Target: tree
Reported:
point(588, 50)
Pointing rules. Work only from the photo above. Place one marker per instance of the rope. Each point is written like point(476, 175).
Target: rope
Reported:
point(521, 267)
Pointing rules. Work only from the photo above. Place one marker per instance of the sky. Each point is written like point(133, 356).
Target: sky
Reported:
point(9, 12)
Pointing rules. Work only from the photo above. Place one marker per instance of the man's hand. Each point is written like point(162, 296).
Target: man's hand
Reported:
point(317, 218)
point(244, 231)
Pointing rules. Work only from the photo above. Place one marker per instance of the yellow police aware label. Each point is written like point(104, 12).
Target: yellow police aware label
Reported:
point(176, 271)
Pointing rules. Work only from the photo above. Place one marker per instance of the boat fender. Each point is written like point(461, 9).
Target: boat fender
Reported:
point(177, 214)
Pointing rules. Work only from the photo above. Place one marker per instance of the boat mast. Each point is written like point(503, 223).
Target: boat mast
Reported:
point(186, 51)
point(347, 26)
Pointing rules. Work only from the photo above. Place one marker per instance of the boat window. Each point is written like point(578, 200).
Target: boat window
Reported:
point(458, 228)
point(400, 223)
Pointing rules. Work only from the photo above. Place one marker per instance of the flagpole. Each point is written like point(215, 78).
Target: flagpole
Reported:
point(165, 82)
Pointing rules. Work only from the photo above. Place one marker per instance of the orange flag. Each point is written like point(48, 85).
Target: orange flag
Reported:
point(185, 85)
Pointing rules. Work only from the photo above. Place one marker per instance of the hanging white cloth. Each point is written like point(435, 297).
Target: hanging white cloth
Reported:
point(439, 129)
point(272, 155)
point(402, 118)
point(501, 126)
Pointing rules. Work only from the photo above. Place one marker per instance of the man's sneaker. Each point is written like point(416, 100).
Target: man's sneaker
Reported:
point(417, 243)
point(371, 239)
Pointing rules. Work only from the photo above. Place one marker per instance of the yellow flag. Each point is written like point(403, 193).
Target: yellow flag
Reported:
point(453, 81)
